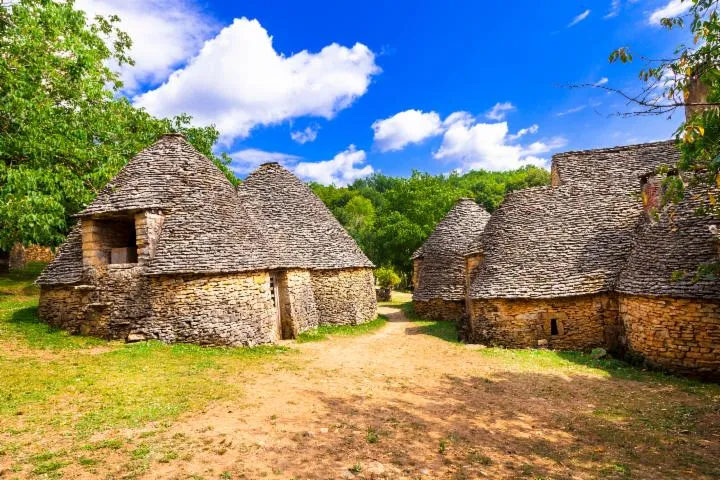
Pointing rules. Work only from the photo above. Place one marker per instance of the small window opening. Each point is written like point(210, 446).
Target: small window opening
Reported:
point(272, 290)
point(554, 327)
point(119, 241)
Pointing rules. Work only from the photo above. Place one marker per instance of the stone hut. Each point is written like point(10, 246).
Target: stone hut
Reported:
point(582, 264)
point(439, 264)
point(170, 250)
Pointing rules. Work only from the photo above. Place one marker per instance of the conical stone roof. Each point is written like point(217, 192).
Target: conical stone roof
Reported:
point(442, 275)
point(573, 238)
point(669, 249)
point(301, 230)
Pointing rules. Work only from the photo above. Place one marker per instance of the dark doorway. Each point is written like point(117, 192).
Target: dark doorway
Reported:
point(554, 327)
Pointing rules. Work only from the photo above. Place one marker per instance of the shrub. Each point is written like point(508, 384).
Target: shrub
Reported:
point(387, 278)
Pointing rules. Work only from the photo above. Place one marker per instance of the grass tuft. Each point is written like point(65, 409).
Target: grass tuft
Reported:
point(322, 332)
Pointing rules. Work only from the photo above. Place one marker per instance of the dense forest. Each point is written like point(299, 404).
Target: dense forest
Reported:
point(390, 217)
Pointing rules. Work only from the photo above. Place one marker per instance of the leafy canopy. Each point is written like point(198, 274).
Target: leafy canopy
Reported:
point(64, 129)
point(391, 217)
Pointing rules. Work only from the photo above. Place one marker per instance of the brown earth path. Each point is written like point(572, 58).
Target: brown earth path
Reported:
point(399, 403)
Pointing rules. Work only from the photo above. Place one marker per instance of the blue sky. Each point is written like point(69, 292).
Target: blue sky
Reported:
point(337, 90)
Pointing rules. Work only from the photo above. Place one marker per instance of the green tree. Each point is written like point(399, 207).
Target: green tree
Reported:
point(391, 217)
point(64, 128)
point(688, 79)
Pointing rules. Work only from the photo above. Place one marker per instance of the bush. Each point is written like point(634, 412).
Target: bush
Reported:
point(387, 278)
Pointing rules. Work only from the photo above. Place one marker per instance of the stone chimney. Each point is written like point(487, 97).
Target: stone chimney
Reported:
point(697, 92)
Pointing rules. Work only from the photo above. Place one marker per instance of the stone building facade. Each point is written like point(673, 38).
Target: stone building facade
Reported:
point(594, 260)
point(439, 265)
point(170, 250)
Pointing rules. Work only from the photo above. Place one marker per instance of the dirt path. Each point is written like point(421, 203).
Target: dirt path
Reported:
point(402, 404)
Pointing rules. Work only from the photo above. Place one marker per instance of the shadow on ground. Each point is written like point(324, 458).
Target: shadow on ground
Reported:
point(511, 425)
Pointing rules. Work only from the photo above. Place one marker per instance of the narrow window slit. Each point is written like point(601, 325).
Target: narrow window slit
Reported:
point(554, 327)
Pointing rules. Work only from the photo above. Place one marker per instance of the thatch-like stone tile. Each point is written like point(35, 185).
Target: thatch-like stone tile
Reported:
point(669, 249)
point(442, 275)
point(66, 267)
point(573, 238)
point(554, 242)
point(297, 224)
point(616, 167)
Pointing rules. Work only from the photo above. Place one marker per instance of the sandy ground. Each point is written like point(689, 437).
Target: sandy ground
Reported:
point(399, 404)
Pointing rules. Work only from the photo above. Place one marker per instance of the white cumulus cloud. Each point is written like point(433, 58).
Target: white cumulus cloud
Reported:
point(165, 33)
point(410, 126)
point(309, 134)
point(238, 81)
point(346, 167)
point(499, 111)
point(489, 146)
point(671, 9)
point(579, 18)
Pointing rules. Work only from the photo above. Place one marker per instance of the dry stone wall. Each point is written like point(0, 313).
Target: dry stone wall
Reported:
point(297, 300)
point(21, 255)
point(344, 297)
point(681, 335)
point(233, 309)
point(440, 309)
point(63, 307)
point(572, 323)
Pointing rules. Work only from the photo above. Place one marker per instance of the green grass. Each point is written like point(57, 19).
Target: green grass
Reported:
point(322, 332)
point(445, 330)
point(57, 383)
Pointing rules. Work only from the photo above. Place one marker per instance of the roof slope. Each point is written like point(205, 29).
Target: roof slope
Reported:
point(67, 266)
point(676, 243)
point(442, 274)
point(148, 180)
point(301, 230)
point(616, 167)
point(573, 238)
point(205, 229)
point(555, 241)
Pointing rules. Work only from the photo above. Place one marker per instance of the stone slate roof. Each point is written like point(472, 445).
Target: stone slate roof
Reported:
point(616, 167)
point(297, 224)
point(673, 243)
point(66, 267)
point(555, 241)
point(442, 274)
point(273, 221)
point(573, 238)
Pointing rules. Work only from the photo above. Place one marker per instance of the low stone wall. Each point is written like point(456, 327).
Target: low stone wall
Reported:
point(440, 309)
point(344, 297)
point(63, 306)
point(680, 335)
point(109, 305)
point(21, 255)
point(573, 323)
point(235, 309)
point(297, 300)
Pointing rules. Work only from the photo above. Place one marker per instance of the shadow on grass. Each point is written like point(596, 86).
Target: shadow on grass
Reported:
point(442, 329)
point(25, 323)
